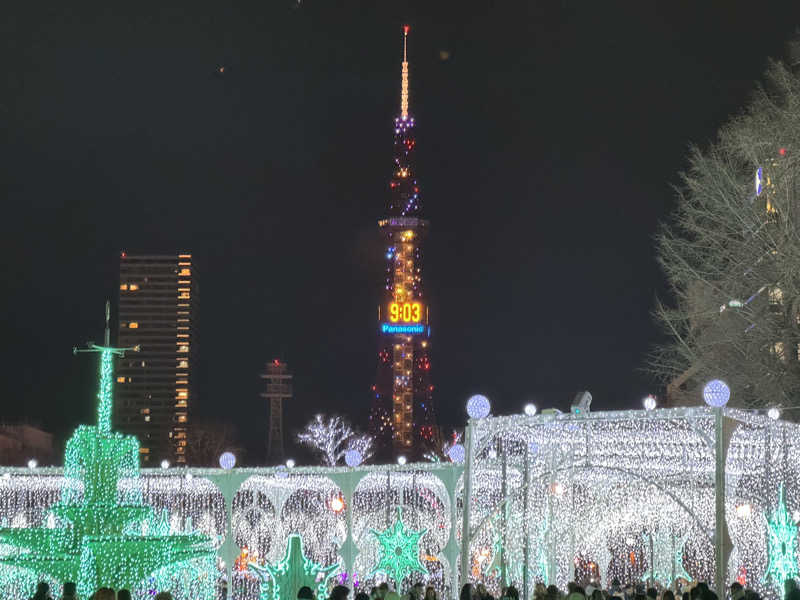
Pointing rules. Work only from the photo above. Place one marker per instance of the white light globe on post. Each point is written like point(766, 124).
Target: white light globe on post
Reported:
point(716, 393)
point(457, 453)
point(165, 464)
point(530, 409)
point(649, 402)
point(774, 414)
point(227, 460)
point(352, 458)
point(33, 463)
point(290, 463)
point(401, 460)
point(478, 407)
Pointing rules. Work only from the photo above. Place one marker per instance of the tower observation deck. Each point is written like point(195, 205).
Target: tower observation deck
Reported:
point(402, 416)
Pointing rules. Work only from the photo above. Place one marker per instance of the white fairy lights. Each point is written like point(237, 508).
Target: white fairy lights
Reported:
point(578, 489)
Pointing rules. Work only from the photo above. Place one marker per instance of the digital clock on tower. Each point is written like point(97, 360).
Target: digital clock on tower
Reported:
point(406, 312)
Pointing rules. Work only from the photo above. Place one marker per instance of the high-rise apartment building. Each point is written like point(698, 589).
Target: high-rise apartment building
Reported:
point(277, 391)
point(402, 404)
point(158, 300)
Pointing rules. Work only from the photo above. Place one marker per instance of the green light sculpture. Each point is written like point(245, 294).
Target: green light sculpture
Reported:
point(667, 556)
point(781, 541)
point(96, 538)
point(285, 578)
point(399, 550)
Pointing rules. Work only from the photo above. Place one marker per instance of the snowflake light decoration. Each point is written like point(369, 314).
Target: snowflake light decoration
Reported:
point(294, 572)
point(399, 550)
point(781, 540)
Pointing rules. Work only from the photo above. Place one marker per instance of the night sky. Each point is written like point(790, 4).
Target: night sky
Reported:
point(549, 136)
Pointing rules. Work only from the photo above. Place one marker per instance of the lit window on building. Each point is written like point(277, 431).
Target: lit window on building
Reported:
point(121, 379)
point(133, 325)
point(147, 418)
point(184, 364)
point(183, 348)
point(123, 286)
point(133, 287)
point(185, 272)
point(144, 450)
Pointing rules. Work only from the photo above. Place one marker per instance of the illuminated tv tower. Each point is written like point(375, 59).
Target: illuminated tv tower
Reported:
point(402, 415)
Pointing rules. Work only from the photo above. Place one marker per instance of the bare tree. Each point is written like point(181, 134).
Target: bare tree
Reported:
point(332, 437)
point(209, 439)
point(731, 254)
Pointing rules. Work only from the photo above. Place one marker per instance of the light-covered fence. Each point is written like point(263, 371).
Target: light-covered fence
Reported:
point(630, 495)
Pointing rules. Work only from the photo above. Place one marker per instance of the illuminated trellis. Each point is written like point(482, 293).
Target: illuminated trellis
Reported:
point(594, 489)
point(545, 490)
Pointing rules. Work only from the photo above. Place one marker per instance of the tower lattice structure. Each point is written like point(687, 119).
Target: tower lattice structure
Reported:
point(402, 416)
point(278, 390)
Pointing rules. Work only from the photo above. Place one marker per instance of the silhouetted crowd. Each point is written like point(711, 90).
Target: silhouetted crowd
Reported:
point(418, 591)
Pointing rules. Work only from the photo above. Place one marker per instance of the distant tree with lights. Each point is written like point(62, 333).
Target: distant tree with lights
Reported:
point(331, 437)
point(731, 253)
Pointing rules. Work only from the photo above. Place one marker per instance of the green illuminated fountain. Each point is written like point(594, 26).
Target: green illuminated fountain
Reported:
point(104, 535)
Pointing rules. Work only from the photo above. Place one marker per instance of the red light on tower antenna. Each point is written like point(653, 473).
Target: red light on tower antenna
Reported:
point(276, 361)
point(406, 29)
point(782, 151)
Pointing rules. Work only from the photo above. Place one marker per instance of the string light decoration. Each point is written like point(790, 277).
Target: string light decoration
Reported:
point(552, 496)
point(332, 438)
point(666, 555)
point(596, 480)
point(399, 550)
point(294, 571)
point(93, 535)
point(402, 415)
point(781, 541)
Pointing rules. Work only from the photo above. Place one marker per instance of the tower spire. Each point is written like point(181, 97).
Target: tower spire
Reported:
point(404, 86)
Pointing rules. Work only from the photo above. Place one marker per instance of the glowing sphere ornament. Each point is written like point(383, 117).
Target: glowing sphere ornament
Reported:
point(33, 463)
point(530, 410)
point(165, 464)
point(478, 407)
point(227, 460)
point(649, 402)
point(716, 393)
point(290, 463)
point(401, 460)
point(352, 458)
point(457, 453)
point(774, 414)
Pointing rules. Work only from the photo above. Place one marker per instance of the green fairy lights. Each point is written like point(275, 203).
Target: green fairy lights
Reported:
point(399, 550)
point(93, 536)
point(285, 578)
point(781, 542)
